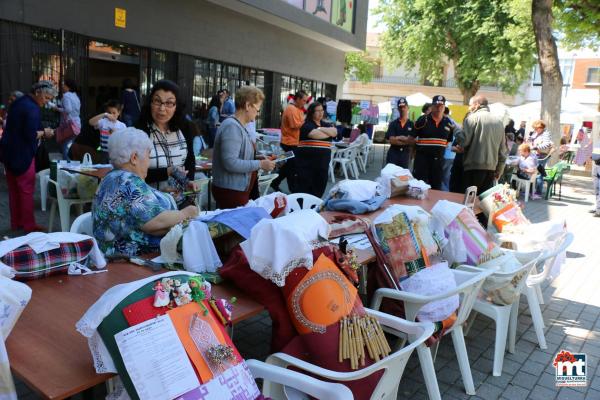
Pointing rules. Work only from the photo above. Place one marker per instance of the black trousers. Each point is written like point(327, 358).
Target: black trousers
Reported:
point(456, 174)
point(312, 168)
point(287, 170)
point(399, 155)
point(483, 179)
point(430, 169)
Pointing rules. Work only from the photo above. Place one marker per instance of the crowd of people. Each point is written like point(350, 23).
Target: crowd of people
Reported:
point(452, 157)
point(153, 147)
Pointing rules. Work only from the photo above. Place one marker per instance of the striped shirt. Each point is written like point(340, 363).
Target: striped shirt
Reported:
point(433, 137)
point(169, 149)
point(543, 142)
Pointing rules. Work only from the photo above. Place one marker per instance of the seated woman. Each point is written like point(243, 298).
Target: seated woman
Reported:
point(527, 162)
point(129, 216)
point(314, 152)
point(235, 165)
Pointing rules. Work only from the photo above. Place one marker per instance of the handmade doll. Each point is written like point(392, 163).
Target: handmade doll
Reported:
point(200, 290)
point(198, 284)
point(174, 293)
point(184, 294)
point(161, 297)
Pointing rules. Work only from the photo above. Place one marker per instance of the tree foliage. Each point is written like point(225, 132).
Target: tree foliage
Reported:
point(360, 65)
point(579, 23)
point(489, 42)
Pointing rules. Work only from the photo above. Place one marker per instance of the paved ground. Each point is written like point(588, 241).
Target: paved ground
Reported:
point(571, 314)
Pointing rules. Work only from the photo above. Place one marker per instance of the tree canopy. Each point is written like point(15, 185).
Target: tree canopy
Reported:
point(579, 23)
point(489, 42)
point(359, 65)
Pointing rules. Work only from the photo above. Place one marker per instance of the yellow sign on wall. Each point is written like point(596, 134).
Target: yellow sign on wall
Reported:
point(120, 17)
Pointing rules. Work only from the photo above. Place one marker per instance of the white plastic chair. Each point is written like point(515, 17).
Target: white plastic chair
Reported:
point(64, 208)
point(346, 158)
point(393, 365)
point(534, 293)
point(501, 313)
point(43, 175)
point(83, 224)
point(294, 384)
point(303, 201)
point(264, 182)
point(467, 286)
point(524, 184)
point(470, 196)
point(362, 143)
point(331, 164)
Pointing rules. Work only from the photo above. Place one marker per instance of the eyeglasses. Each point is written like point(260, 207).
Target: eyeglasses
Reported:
point(156, 102)
point(257, 109)
point(319, 110)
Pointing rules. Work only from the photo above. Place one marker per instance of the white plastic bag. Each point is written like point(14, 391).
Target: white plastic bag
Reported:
point(14, 296)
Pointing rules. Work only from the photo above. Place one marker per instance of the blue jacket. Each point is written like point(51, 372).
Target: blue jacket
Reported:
point(19, 140)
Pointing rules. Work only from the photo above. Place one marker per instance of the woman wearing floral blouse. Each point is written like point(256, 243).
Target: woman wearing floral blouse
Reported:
point(129, 216)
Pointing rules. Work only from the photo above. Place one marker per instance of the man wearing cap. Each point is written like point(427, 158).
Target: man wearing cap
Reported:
point(433, 131)
point(484, 146)
point(400, 134)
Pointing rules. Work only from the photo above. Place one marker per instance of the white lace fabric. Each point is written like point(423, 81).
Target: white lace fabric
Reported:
point(278, 246)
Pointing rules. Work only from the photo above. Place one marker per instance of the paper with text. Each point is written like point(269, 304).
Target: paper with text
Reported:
point(156, 360)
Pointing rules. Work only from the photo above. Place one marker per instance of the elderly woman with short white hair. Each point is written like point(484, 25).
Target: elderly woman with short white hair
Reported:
point(129, 216)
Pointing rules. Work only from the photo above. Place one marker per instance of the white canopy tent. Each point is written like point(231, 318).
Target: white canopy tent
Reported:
point(500, 110)
point(571, 112)
point(418, 99)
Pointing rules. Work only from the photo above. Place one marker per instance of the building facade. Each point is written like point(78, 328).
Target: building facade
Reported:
point(581, 78)
point(203, 45)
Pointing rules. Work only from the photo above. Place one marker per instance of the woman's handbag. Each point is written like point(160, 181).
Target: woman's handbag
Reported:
point(522, 175)
point(42, 159)
point(66, 131)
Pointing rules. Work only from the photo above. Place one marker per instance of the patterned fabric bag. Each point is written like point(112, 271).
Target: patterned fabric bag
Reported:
point(30, 265)
point(404, 247)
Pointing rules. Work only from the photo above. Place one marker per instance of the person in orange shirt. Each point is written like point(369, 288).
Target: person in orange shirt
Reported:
point(291, 121)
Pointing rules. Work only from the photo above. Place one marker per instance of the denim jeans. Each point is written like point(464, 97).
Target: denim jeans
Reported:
point(64, 148)
point(539, 183)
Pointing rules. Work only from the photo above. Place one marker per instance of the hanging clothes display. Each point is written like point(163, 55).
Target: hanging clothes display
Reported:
point(356, 116)
point(344, 111)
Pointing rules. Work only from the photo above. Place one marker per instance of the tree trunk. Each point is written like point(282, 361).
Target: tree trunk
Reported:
point(469, 91)
point(541, 15)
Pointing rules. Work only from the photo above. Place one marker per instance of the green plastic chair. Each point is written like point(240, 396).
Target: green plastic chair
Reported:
point(553, 176)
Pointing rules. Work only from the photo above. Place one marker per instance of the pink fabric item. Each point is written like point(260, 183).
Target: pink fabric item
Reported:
point(585, 151)
point(20, 198)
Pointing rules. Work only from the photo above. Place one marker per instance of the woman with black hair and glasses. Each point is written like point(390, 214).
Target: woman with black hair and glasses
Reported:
point(314, 152)
point(172, 152)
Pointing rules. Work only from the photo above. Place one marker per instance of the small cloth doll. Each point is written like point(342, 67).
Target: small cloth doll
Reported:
point(200, 290)
point(223, 309)
point(161, 297)
point(183, 294)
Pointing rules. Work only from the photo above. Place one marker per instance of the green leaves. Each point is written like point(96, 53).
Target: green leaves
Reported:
point(360, 65)
point(579, 21)
point(489, 42)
